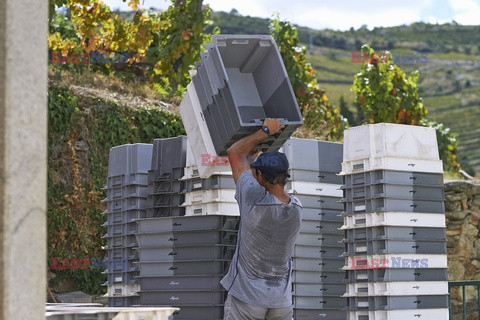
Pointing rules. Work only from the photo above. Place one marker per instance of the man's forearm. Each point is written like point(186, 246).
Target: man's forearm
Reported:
point(244, 146)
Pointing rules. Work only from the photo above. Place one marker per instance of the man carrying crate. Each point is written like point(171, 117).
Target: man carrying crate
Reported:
point(259, 281)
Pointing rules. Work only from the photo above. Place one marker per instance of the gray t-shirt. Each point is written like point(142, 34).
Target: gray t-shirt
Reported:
point(261, 268)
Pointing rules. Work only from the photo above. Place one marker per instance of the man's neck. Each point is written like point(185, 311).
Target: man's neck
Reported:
point(279, 192)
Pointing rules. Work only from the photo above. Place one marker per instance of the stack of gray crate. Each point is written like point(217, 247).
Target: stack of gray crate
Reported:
point(317, 262)
point(395, 240)
point(240, 81)
point(126, 201)
point(182, 260)
point(164, 185)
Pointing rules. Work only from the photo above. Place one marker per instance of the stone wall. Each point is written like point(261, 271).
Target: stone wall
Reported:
point(463, 242)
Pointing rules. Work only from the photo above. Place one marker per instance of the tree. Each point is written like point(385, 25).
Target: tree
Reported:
point(319, 115)
point(385, 93)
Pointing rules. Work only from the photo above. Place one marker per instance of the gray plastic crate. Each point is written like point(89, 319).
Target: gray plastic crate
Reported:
point(393, 177)
point(121, 229)
point(312, 264)
point(128, 191)
point(322, 156)
point(121, 241)
point(181, 283)
point(168, 154)
point(169, 268)
point(396, 233)
point(313, 239)
point(123, 301)
point(165, 224)
point(324, 302)
point(166, 200)
point(324, 277)
point(213, 182)
point(394, 191)
point(207, 237)
point(398, 302)
point(251, 74)
point(318, 314)
point(395, 246)
point(306, 289)
point(179, 298)
point(319, 202)
point(395, 274)
point(220, 112)
point(172, 175)
point(122, 277)
point(389, 204)
point(124, 216)
point(302, 251)
point(126, 204)
point(323, 226)
point(165, 187)
point(129, 158)
point(185, 253)
point(165, 212)
point(322, 214)
point(199, 312)
point(127, 180)
point(315, 176)
point(122, 253)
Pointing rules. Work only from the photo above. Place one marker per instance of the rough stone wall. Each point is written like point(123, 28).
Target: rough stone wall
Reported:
point(463, 242)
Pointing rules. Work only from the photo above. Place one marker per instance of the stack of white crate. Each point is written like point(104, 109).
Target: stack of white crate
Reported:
point(212, 195)
point(394, 223)
point(317, 262)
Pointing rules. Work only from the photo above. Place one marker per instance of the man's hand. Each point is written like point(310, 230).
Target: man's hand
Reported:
point(273, 125)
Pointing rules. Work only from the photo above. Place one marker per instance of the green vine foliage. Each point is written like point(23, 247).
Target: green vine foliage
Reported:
point(385, 93)
point(319, 115)
point(80, 136)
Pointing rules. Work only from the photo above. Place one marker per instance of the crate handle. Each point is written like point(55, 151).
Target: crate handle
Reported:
point(321, 176)
point(414, 205)
point(172, 268)
point(172, 239)
point(176, 224)
point(172, 253)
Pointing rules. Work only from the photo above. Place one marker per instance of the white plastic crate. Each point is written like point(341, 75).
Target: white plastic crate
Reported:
point(68, 312)
point(198, 134)
point(390, 140)
point(313, 188)
point(192, 172)
point(416, 314)
point(400, 219)
point(218, 208)
point(406, 288)
point(403, 261)
point(391, 163)
point(207, 196)
point(116, 290)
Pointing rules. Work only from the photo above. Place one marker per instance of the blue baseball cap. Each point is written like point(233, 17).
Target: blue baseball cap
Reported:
point(272, 164)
